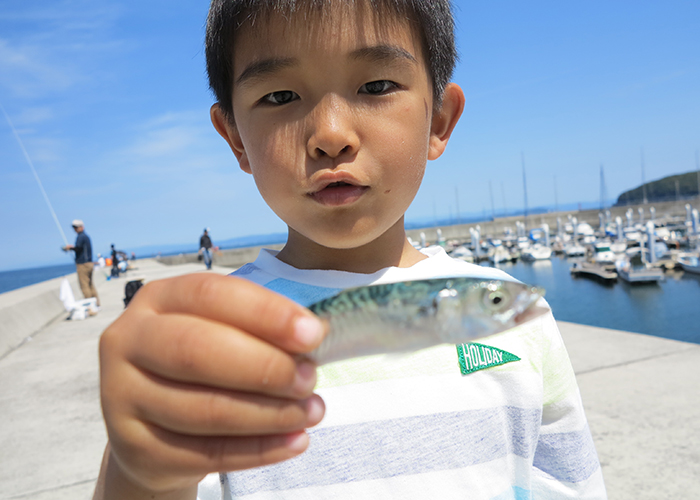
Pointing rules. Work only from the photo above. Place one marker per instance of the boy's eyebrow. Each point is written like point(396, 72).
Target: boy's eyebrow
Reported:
point(376, 53)
point(383, 53)
point(264, 67)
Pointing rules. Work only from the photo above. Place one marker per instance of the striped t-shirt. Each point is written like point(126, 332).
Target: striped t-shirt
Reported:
point(497, 419)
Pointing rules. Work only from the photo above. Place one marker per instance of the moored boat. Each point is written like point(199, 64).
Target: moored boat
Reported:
point(689, 263)
point(536, 252)
point(593, 270)
point(638, 274)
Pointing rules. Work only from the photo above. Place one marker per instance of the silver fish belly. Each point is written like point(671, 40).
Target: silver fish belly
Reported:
point(412, 315)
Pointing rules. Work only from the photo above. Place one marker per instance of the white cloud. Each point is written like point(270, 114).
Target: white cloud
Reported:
point(46, 49)
point(34, 115)
point(25, 72)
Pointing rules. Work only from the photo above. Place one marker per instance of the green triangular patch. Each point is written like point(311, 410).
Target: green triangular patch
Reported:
point(474, 357)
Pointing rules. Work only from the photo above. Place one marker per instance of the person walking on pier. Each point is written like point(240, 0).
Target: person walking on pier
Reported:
point(83, 260)
point(205, 248)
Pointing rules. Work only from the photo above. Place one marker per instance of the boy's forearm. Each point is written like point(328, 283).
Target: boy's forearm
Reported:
point(113, 484)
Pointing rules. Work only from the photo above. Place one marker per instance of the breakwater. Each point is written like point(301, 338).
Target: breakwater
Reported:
point(492, 228)
point(231, 257)
point(27, 310)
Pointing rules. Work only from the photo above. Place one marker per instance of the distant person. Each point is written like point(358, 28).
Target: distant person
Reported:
point(206, 248)
point(83, 260)
point(115, 262)
point(100, 261)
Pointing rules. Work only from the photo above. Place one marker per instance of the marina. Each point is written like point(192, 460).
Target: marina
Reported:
point(641, 275)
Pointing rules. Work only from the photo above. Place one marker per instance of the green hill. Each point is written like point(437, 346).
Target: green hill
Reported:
point(662, 190)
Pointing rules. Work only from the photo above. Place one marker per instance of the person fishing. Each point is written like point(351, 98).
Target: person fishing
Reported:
point(83, 260)
point(334, 108)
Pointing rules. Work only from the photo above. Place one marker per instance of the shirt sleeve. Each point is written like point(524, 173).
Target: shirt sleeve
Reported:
point(566, 464)
point(210, 488)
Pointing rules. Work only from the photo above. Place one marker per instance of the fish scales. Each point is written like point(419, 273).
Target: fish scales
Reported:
point(401, 317)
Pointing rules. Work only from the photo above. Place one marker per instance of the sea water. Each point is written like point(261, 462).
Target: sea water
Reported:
point(670, 309)
point(18, 278)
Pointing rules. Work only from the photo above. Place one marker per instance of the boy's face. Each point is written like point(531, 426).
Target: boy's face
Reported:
point(334, 119)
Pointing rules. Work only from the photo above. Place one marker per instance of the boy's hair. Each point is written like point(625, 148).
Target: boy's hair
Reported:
point(432, 19)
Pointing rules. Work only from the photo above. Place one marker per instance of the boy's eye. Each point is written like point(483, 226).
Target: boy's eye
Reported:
point(280, 97)
point(378, 87)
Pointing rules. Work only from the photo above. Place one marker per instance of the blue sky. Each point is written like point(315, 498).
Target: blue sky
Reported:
point(111, 102)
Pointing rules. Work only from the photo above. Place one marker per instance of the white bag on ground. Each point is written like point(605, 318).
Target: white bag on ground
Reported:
point(77, 309)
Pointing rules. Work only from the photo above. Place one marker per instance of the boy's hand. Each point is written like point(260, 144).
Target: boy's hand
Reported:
point(201, 374)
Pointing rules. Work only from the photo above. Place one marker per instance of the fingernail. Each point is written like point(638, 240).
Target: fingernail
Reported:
point(307, 330)
point(305, 378)
point(315, 409)
point(297, 442)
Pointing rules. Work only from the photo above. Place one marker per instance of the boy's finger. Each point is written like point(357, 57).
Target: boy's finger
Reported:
point(193, 410)
point(240, 303)
point(185, 456)
point(198, 351)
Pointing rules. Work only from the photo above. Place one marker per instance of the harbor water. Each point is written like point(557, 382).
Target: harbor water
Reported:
point(18, 278)
point(670, 309)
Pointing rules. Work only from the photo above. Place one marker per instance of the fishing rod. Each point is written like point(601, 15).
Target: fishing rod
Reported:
point(36, 176)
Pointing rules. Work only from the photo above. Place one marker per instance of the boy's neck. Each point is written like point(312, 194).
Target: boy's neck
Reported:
point(391, 249)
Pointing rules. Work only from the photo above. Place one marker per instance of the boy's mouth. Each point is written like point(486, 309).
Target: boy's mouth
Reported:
point(338, 193)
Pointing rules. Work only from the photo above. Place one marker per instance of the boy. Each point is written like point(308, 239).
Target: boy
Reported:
point(334, 107)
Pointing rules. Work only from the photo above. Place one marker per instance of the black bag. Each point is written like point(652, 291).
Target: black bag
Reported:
point(130, 290)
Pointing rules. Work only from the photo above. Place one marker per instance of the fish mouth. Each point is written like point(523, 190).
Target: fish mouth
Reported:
point(530, 313)
point(338, 192)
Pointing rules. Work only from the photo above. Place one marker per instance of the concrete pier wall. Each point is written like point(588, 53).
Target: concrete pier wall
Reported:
point(233, 257)
point(494, 228)
point(27, 310)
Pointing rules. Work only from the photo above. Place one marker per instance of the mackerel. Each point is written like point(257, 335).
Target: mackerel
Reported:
point(412, 315)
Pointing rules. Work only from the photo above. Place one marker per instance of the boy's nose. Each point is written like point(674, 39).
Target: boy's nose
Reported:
point(332, 131)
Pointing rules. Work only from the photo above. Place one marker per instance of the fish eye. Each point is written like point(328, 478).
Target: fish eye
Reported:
point(496, 299)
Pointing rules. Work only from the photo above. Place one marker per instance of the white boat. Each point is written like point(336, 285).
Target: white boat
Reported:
point(499, 254)
point(638, 274)
point(536, 252)
point(602, 254)
point(523, 242)
point(661, 251)
point(575, 250)
point(618, 247)
point(463, 253)
point(690, 263)
point(584, 229)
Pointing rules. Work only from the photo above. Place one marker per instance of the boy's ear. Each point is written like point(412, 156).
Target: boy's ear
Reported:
point(445, 119)
point(229, 132)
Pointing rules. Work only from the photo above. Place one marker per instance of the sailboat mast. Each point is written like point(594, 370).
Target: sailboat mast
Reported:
point(697, 168)
point(644, 186)
point(603, 189)
point(522, 157)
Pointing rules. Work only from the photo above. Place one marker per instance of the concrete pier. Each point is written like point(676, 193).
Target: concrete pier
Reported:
point(641, 393)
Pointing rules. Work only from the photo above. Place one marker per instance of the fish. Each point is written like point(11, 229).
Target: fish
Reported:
point(412, 315)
